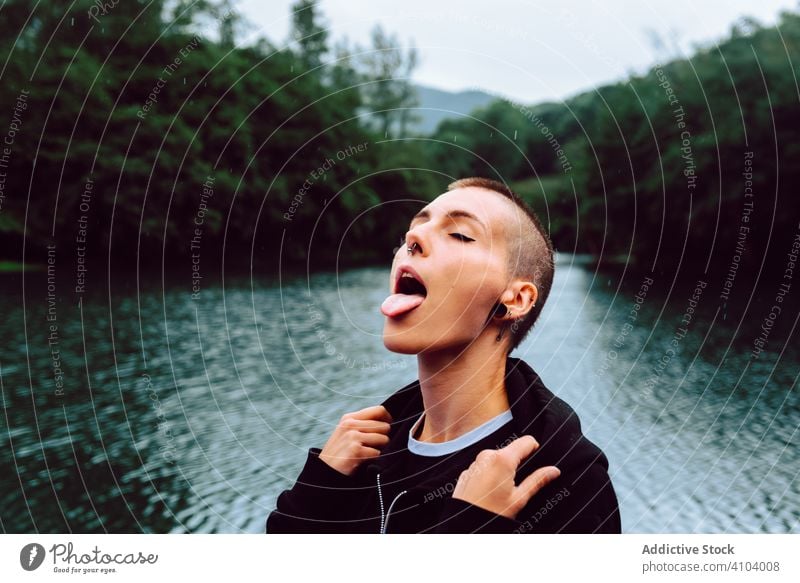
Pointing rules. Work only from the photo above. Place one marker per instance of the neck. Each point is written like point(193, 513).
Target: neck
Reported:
point(462, 388)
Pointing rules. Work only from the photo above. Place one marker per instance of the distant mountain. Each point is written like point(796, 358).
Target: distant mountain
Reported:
point(452, 104)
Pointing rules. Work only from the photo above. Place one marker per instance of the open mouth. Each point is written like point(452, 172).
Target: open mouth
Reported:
point(408, 283)
point(409, 292)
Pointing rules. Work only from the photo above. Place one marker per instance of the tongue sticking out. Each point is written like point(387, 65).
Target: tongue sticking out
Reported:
point(397, 304)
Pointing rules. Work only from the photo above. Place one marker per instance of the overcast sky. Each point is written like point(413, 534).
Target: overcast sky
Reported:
point(529, 50)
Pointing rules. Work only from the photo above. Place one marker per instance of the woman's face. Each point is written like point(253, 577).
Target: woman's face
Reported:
point(462, 263)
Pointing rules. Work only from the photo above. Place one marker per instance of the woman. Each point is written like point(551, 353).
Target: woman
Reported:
point(477, 443)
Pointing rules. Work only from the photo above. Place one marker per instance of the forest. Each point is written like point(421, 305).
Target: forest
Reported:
point(137, 135)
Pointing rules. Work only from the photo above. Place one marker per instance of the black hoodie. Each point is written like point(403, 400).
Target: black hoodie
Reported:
point(383, 495)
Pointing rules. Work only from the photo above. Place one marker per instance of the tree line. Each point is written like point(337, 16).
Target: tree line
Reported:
point(690, 166)
point(135, 114)
point(133, 109)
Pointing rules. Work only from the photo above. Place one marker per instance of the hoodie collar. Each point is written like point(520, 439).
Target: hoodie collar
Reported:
point(527, 397)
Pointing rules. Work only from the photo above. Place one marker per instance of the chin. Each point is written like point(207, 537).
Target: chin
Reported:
point(396, 343)
point(416, 343)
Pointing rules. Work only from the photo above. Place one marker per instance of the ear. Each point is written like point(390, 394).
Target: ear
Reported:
point(520, 298)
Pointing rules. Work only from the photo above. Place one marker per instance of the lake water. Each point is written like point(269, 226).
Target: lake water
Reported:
point(181, 415)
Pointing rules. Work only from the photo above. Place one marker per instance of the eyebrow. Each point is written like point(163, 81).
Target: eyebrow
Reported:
point(453, 214)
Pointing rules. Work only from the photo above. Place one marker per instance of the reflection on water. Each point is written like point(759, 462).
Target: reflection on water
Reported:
point(179, 415)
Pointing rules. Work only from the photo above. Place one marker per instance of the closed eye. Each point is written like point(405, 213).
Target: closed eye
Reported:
point(461, 237)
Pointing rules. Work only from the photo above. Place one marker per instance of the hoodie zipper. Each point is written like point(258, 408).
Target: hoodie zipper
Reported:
point(385, 517)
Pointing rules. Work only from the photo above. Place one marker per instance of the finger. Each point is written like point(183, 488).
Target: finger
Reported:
point(536, 481)
point(369, 452)
point(374, 439)
point(520, 448)
point(370, 426)
point(378, 413)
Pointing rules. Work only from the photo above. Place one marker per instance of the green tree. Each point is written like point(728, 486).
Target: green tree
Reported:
point(388, 92)
point(309, 33)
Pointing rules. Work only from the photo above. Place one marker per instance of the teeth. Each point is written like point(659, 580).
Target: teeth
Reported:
point(406, 275)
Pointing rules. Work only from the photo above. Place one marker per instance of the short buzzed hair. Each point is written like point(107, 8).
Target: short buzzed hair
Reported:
point(530, 254)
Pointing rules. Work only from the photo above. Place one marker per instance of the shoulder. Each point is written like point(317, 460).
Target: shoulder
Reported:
point(563, 436)
point(552, 422)
point(582, 499)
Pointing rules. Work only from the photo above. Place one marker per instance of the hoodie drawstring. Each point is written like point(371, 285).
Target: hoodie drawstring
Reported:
point(385, 517)
point(380, 499)
point(388, 512)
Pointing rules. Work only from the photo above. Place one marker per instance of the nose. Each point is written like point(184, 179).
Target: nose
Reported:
point(416, 242)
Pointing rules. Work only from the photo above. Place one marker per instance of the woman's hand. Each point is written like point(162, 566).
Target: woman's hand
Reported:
point(358, 437)
point(489, 481)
